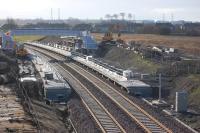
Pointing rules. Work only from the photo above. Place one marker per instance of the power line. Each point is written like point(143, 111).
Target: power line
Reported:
point(51, 14)
point(172, 17)
point(58, 13)
point(163, 17)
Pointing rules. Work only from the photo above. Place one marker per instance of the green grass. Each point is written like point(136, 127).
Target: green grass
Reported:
point(27, 38)
point(194, 94)
point(129, 60)
point(145, 64)
point(194, 77)
point(193, 80)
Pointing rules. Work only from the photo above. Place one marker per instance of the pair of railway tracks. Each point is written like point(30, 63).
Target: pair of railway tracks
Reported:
point(104, 119)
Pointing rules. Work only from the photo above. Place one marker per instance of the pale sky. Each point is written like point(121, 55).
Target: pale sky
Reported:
point(95, 9)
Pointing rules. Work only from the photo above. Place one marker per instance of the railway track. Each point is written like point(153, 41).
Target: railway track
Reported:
point(102, 117)
point(146, 121)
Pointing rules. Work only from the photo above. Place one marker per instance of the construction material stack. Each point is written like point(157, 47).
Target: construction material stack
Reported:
point(21, 51)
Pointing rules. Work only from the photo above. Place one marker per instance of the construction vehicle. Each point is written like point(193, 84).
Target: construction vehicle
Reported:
point(108, 38)
point(21, 51)
point(119, 40)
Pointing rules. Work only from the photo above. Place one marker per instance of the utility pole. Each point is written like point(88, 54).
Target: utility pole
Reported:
point(134, 19)
point(172, 18)
point(58, 13)
point(160, 87)
point(163, 17)
point(51, 14)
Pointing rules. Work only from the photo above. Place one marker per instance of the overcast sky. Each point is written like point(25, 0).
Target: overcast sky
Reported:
point(95, 9)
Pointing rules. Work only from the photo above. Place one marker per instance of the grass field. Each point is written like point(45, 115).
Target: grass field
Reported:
point(26, 38)
point(195, 92)
point(127, 59)
point(188, 44)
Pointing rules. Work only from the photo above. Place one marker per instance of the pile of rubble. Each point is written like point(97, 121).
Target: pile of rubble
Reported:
point(12, 116)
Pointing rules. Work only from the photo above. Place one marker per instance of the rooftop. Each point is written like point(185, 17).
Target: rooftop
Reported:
point(55, 84)
point(134, 83)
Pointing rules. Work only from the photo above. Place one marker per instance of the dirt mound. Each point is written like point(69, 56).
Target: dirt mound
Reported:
point(49, 118)
point(126, 59)
point(8, 66)
point(188, 44)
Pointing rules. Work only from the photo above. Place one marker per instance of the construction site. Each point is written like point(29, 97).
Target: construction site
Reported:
point(36, 83)
point(116, 74)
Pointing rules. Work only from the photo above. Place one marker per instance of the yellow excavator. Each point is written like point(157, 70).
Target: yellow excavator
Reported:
point(108, 37)
point(119, 39)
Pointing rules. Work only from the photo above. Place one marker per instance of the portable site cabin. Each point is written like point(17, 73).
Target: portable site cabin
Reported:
point(56, 91)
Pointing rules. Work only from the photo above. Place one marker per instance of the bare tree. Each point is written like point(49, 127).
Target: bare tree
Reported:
point(115, 16)
point(133, 16)
point(10, 25)
point(111, 17)
point(107, 16)
point(122, 14)
point(130, 16)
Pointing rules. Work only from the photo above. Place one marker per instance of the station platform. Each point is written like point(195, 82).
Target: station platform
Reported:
point(132, 86)
point(56, 89)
